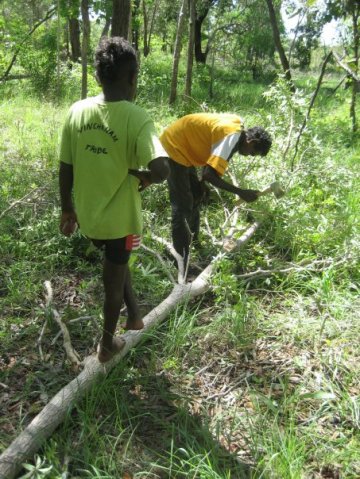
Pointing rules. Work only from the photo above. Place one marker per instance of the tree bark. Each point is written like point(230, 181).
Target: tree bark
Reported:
point(212, 70)
point(148, 29)
point(84, 45)
point(120, 26)
point(277, 40)
point(201, 14)
point(74, 32)
point(107, 25)
point(355, 17)
point(135, 26)
point(177, 51)
point(53, 414)
point(200, 56)
point(146, 48)
point(190, 57)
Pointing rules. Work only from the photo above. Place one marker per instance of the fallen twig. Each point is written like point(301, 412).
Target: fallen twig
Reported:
point(162, 262)
point(41, 335)
point(214, 240)
point(71, 321)
point(230, 388)
point(21, 200)
point(72, 355)
point(317, 265)
point(182, 272)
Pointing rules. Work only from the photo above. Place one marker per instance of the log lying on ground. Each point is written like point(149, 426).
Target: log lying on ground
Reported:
point(45, 423)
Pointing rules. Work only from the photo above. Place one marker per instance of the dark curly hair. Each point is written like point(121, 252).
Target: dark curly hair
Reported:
point(262, 138)
point(115, 58)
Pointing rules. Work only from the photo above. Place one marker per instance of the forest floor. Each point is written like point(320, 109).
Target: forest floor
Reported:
point(257, 378)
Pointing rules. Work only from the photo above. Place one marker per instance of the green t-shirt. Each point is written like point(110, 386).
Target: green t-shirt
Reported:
point(102, 140)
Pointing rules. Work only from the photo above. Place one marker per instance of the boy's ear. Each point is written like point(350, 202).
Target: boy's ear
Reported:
point(133, 78)
point(133, 81)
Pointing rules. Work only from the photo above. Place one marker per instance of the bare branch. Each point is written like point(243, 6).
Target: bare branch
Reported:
point(179, 259)
point(345, 67)
point(21, 200)
point(313, 98)
point(49, 14)
point(306, 265)
point(39, 341)
point(72, 355)
point(76, 320)
point(162, 262)
point(213, 238)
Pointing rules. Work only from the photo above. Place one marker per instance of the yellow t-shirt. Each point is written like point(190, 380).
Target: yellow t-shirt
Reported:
point(203, 139)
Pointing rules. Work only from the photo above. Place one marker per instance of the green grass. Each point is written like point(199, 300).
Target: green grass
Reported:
point(256, 379)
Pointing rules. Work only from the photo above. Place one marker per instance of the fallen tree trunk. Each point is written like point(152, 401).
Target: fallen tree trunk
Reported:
point(53, 414)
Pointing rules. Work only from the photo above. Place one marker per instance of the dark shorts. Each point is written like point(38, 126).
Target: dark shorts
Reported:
point(118, 250)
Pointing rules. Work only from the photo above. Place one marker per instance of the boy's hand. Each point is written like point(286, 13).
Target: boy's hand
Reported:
point(249, 195)
point(143, 176)
point(68, 223)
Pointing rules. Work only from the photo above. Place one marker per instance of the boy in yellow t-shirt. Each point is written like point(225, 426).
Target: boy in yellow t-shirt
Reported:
point(105, 140)
point(208, 140)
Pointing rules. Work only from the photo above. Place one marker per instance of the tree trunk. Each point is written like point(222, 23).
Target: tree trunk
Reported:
point(355, 18)
point(120, 26)
point(177, 51)
point(212, 71)
point(148, 29)
point(190, 57)
point(164, 41)
point(146, 48)
point(278, 44)
point(74, 32)
point(152, 23)
point(106, 29)
point(84, 45)
point(200, 56)
point(135, 30)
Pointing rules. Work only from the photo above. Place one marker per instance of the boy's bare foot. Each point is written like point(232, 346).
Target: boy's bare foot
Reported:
point(133, 324)
point(105, 354)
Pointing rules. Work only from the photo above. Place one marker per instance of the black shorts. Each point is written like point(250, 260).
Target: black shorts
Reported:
point(118, 250)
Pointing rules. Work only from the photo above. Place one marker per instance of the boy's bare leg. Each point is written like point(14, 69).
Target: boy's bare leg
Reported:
point(134, 319)
point(114, 276)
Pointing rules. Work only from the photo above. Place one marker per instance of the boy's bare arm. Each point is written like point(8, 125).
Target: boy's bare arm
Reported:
point(158, 172)
point(211, 176)
point(66, 180)
point(68, 218)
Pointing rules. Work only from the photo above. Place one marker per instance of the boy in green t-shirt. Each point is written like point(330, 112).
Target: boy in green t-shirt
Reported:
point(105, 141)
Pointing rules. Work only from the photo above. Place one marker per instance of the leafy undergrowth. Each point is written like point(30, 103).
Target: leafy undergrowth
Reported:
point(258, 378)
